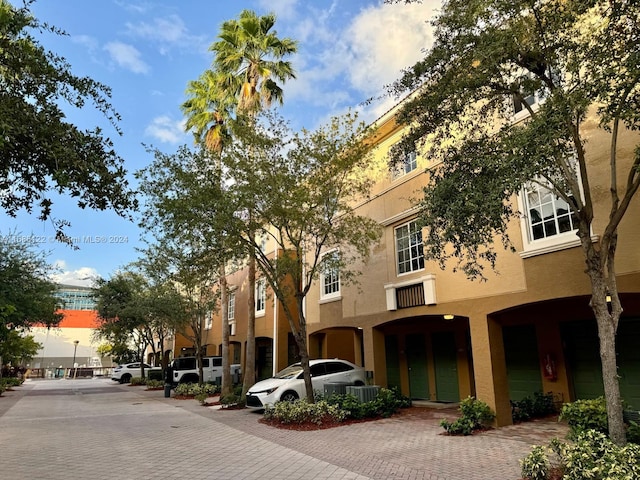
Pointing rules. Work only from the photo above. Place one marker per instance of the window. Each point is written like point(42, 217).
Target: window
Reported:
point(208, 321)
point(409, 251)
point(408, 164)
point(548, 222)
point(548, 214)
point(231, 313)
point(261, 296)
point(330, 276)
point(231, 310)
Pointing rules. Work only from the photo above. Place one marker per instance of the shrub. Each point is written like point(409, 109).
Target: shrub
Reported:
point(138, 381)
point(152, 384)
point(536, 465)
point(193, 389)
point(592, 456)
point(528, 408)
point(3, 388)
point(201, 397)
point(583, 415)
point(386, 403)
point(476, 415)
point(233, 399)
point(12, 381)
point(301, 411)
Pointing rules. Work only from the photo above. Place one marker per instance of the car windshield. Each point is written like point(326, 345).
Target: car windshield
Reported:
point(289, 372)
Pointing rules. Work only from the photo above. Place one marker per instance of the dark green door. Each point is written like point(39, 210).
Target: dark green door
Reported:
point(392, 354)
point(628, 342)
point(583, 357)
point(416, 350)
point(446, 366)
point(523, 365)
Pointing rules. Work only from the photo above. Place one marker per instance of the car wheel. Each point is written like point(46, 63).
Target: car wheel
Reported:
point(126, 378)
point(289, 396)
point(189, 379)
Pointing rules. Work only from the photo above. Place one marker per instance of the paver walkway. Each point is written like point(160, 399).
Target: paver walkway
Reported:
point(94, 429)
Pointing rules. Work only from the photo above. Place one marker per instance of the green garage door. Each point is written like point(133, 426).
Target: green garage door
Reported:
point(583, 355)
point(393, 361)
point(446, 366)
point(523, 365)
point(416, 348)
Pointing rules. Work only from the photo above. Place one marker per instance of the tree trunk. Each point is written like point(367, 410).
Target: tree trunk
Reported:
point(226, 387)
point(249, 371)
point(301, 339)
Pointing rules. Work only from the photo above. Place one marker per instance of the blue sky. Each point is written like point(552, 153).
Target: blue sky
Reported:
point(147, 51)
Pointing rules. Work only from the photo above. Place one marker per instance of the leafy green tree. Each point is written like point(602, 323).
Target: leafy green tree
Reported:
point(26, 293)
point(18, 349)
point(582, 57)
point(185, 221)
point(248, 64)
point(40, 151)
point(123, 317)
point(302, 188)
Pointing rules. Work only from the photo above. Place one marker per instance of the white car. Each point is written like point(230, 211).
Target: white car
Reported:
point(288, 384)
point(123, 373)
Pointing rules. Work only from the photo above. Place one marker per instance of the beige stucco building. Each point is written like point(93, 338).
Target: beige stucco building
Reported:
point(439, 336)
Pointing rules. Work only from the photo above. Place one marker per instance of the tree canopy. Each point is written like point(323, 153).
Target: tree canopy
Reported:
point(40, 152)
point(581, 60)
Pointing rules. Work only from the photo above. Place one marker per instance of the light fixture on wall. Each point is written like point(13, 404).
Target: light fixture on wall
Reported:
point(448, 316)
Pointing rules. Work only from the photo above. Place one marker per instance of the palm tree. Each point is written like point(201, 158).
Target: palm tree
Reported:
point(247, 69)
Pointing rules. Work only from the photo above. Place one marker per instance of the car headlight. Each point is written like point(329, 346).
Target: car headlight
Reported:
point(267, 392)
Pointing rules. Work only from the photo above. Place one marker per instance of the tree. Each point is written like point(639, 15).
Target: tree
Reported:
point(247, 65)
point(39, 150)
point(18, 349)
point(582, 58)
point(186, 220)
point(122, 313)
point(302, 189)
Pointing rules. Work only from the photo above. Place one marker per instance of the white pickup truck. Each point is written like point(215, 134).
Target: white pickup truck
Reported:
point(185, 370)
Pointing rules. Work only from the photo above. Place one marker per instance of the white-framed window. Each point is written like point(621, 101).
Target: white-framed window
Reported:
point(231, 306)
point(261, 296)
point(548, 222)
point(329, 276)
point(208, 321)
point(409, 248)
point(231, 312)
point(408, 164)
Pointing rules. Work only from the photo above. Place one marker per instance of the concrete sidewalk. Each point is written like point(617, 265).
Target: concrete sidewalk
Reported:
point(68, 429)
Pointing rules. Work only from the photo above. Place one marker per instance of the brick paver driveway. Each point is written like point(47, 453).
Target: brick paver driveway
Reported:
point(97, 429)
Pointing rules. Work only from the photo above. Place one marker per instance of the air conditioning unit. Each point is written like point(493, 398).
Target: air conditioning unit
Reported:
point(366, 393)
point(335, 388)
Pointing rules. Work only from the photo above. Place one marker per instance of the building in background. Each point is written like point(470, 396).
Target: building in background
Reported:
point(59, 352)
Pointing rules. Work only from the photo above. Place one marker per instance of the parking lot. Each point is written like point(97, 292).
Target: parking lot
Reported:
point(96, 428)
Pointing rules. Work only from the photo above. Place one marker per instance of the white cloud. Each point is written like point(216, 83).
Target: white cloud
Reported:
point(284, 9)
point(384, 40)
point(166, 130)
point(83, 276)
point(126, 56)
point(167, 33)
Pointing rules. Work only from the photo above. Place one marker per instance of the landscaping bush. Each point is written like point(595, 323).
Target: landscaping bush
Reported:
point(583, 415)
point(9, 382)
point(138, 381)
point(193, 389)
point(233, 399)
point(386, 403)
point(529, 408)
point(301, 411)
point(475, 415)
point(155, 384)
point(591, 456)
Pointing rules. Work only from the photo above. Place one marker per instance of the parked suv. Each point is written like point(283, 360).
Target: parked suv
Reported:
point(185, 370)
point(124, 373)
point(288, 384)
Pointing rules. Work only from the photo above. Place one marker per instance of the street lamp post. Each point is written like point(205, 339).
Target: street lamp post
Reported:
point(75, 347)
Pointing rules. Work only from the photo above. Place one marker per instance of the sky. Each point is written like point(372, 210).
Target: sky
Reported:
point(147, 52)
